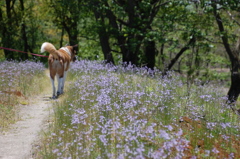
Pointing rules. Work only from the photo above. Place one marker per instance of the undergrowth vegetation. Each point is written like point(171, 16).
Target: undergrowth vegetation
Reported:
point(18, 82)
point(115, 112)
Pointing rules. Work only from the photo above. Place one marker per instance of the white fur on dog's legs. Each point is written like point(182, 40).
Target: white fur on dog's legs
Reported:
point(53, 88)
point(64, 78)
point(59, 85)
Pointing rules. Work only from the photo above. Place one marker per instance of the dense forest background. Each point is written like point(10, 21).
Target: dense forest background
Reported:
point(190, 36)
point(153, 33)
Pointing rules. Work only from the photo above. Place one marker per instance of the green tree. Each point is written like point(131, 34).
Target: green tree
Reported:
point(8, 21)
point(104, 37)
point(66, 16)
point(128, 23)
point(16, 19)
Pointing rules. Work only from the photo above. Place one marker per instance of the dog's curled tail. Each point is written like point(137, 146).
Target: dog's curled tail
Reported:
point(46, 46)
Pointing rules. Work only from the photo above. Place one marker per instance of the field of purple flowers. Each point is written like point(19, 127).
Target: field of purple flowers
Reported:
point(116, 112)
point(18, 81)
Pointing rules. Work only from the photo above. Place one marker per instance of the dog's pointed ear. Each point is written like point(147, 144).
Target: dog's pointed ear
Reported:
point(75, 47)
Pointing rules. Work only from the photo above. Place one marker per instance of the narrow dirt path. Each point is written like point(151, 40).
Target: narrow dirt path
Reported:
point(18, 141)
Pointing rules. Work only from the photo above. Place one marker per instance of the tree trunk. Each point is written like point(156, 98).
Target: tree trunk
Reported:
point(24, 34)
point(104, 41)
point(150, 52)
point(62, 34)
point(130, 55)
point(162, 57)
point(103, 37)
point(6, 34)
point(72, 32)
point(71, 27)
point(113, 22)
point(234, 90)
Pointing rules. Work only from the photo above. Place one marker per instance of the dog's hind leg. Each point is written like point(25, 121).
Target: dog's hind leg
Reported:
point(60, 81)
point(52, 78)
point(63, 82)
point(60, 76)
point(53, 88)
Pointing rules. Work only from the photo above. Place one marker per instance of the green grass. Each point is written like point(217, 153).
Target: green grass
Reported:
point(19, 82)
point(120, 113)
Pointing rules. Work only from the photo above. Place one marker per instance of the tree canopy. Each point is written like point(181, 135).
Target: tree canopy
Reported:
point(152, 33)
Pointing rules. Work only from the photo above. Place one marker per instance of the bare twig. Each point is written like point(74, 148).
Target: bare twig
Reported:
point(215, 42)
point(232, 17)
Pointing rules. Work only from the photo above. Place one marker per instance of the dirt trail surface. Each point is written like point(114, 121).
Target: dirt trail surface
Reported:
point(18, 141)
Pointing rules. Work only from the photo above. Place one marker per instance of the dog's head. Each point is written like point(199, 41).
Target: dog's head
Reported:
point(74, 50)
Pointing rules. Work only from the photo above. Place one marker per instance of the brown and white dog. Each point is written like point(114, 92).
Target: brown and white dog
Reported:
point(58, 62)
